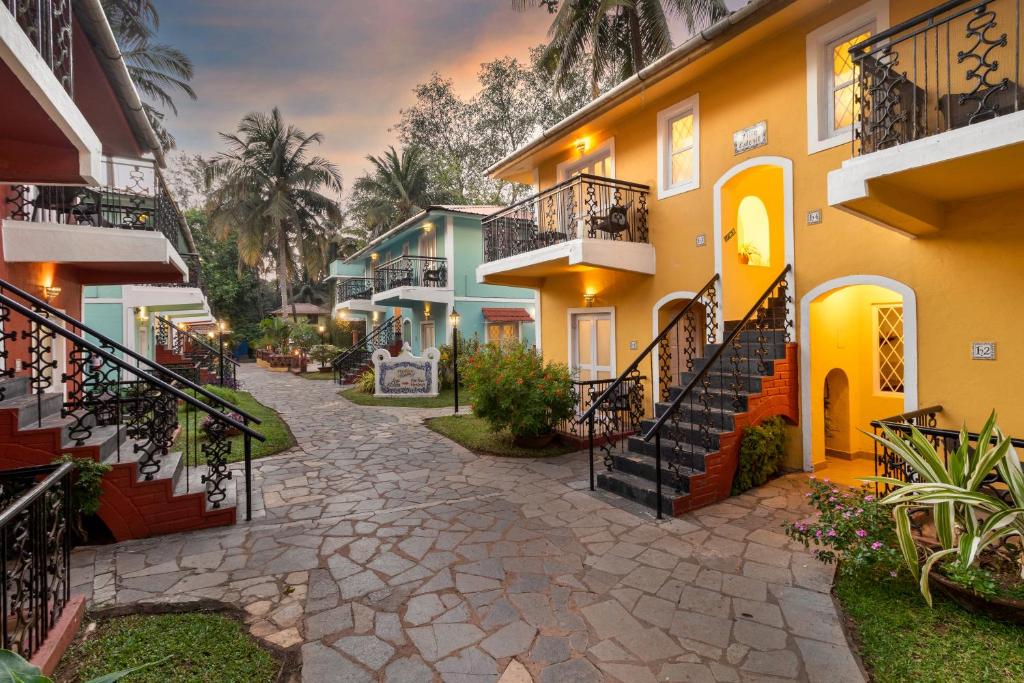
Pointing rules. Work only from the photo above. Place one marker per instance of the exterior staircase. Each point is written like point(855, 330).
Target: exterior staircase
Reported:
point(35, 431)
point(351, 363)
point(699, 423)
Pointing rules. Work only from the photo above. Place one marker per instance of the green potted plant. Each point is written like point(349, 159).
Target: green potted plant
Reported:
point(513, 389)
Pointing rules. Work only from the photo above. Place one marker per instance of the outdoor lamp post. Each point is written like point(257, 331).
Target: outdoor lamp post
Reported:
point(453, 318)
point(220, 341)
point(321, 330)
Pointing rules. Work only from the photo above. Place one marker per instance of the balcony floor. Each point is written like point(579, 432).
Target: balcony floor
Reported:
point(530, 268)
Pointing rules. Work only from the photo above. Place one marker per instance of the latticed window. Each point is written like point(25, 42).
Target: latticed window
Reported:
point(889, 349)
point(679, 147)
point(842, 105)
point(681, 152)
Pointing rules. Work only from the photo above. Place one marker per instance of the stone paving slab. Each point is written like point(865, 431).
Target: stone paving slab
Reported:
point(387, 553)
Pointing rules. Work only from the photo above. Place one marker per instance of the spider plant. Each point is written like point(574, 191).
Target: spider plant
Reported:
point(969, 518)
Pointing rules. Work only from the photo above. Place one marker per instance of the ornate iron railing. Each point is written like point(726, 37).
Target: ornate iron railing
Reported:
point(187, 344)
point(618, 415)
point(47, 23)
point(382, 336)
point(672, 350)
point(35, 516)
point(133, 199)
point(358, 288)
point(945, 441)
point(585, 206)
point(721, 383)
point(100, 388)
point(411, 271)
point(953, 66)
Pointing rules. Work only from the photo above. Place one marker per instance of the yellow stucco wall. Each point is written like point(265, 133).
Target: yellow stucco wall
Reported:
point(967, 278)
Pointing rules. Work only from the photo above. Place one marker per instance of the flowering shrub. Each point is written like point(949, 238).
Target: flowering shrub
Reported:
point(468, 347)
point(512, 388)
point(852, 526)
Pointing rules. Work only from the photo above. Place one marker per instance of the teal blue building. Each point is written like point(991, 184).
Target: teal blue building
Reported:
point(422, 269)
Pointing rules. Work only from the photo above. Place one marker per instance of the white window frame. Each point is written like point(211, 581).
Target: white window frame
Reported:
point(876, 360)
point(665, 118)
point(606, 149)
point(570, 322)
point(820, 134)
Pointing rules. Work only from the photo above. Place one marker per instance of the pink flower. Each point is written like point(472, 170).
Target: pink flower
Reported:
point(817, 534)
point(831, 532)
point(876, 545)
point(868, 499)
point(861, 533)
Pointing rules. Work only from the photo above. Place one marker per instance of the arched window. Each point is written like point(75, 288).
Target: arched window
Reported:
point(753, 232)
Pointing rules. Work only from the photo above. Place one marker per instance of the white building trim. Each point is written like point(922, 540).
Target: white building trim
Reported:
point(569, 313)
point(910, 370)
point(665, 116)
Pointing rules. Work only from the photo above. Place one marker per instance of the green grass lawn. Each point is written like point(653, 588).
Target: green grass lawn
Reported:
point(278, 436)
point(476, 435)
point(318, 374)
point(443, 400)
point(202, 647)
point(902, 640)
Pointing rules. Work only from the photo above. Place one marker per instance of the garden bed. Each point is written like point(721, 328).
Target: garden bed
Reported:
point(445, 399)
point(476, 435)
point(278, 436)
point(196, 646)
point(902, 640)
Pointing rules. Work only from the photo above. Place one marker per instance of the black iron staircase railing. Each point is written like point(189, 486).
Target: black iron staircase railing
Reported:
point(101, 389)
point(187, 344)
point(705, 400)
point(617, 411)
point(35, 541)
point(383, 336)
point(955, 65)
point(48, 24)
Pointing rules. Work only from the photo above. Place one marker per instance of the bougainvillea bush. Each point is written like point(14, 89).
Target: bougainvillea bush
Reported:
point(851, 526)
point(514, 389)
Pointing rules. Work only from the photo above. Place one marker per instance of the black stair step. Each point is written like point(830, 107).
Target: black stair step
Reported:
point(106, 439)
point(721, 420)
point(685, 433)
point(747, 349)
point(691, 454)
point(643, 465)
point(724, 380)
point(724, 363)
point(719, 399)
point(32, 407)
point(12, 387)
point(639, 490)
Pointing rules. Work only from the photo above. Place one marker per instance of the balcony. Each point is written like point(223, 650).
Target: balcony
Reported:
point(941, 115)
point(355, 294)
point(411, 278)
point(125, 232)
point(582, 223)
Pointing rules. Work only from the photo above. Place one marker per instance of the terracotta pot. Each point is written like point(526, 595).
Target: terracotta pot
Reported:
point(1002, 609)
point(744, 259)
point(538, 441)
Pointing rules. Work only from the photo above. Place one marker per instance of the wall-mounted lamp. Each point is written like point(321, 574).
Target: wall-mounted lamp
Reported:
point(374, 256)
point(376, 315)
point(181, 326)
point(210, 334)
point(426, 311)
point(50, 293)
point(143, 316)
point(581, 145)
point(427, 227)
point(588, 297)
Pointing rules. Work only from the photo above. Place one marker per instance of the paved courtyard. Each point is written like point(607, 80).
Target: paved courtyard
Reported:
point(387, 553)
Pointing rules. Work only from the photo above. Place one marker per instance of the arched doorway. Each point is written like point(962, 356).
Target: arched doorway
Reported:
point(662, 313)
point(753, 230)
point(858, 348)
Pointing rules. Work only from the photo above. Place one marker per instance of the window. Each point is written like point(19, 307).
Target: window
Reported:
point(889, 348)
point(593, 344)
point(600, 162)
point(501, 332)
point(831, 85)
point(679, 148)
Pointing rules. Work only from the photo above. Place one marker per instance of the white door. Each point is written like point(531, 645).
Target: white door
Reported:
point(428, 245)
point(592, 344)
point(426, 335)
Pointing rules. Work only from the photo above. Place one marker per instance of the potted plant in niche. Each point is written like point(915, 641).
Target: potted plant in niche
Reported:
point(514, 389)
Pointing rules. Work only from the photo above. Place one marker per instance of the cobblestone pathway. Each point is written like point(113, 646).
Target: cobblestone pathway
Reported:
point(386, 552)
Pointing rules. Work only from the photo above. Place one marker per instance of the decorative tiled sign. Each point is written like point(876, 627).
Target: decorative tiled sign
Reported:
point(814, 217)
point(750, 138)
point(406, 375)
point(983, 350)
point(702, 240)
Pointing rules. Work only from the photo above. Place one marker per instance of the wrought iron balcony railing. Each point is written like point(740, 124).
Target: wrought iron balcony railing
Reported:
point(411, 271)
point(135, 198)
point(35, 539)
point(583, 206)
point(953, 66)
point(47, 23)
point(359, 288)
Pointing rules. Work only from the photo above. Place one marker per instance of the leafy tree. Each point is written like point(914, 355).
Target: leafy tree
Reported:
point(618, 37)
point(271, 194)
point(274, 332)
point(159, 71)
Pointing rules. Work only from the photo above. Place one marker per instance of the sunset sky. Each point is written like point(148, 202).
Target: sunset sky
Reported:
point(341, 67)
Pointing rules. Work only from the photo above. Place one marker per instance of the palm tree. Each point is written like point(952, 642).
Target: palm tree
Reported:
point(619, 37)
point(267, 191)
point(397, 189)
point(157, 69)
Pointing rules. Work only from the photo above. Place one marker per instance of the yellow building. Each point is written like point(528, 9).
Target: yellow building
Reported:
point(871, 197)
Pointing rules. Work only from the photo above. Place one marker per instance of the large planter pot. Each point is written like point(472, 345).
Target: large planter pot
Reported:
point(1003, 609)
point(537, 441)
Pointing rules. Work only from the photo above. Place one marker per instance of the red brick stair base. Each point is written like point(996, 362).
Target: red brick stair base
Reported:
point(779, 396)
